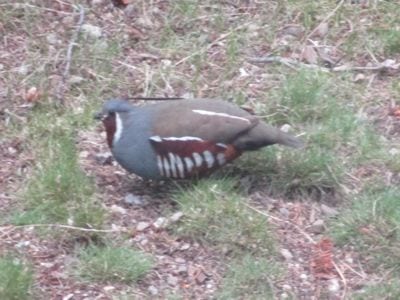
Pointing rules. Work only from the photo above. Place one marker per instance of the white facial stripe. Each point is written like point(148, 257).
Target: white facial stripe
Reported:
point(180, 167)
point(118, 130)
point(221, 159)
point(189, 164)
point(166, 167)
point(198, 160)
point(209, 158)
point(156, 138)
point(182, 138)
point(172, 162)
point(160, 165)
point(211, 113)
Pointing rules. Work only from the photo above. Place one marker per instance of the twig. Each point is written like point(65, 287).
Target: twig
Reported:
point(64, 227)
point(305, 234)
point(62, 85)
point(342, 278)
point(324, 20)
point(292, 63)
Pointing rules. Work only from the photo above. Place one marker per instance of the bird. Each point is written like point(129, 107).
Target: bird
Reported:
point(184, 139)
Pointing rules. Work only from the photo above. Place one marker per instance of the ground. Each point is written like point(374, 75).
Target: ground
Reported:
point(317, 223)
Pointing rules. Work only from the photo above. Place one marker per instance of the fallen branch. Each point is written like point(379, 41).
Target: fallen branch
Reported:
point(62, 85)
point(342, 278)
point(292, 63)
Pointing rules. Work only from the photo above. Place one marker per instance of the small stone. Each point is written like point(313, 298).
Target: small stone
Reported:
point(108, 288)
point(243, 72)
point(76, 80)
point(286, 254)
point(286, 287)
point(142, 226)
point(47, 265)
point(22, 244)
point(84, 154)
point(359, 77)
point(180, 260)
point(52, 38)
point(117, 209)
point(318, 226)
point(97, 2)
point(394, 151)
point(104, 158)
point(68, 20)
point(172, 280)
point(333, 285)
point(153, 290)
point(303, 276)
point(184, 247)
point(284, 212)
point(161, 222)
point(12, 150)
point(286, 128)
point(132, 199)
point(284, 296)
point(92, 31)
point(182, 269)
point(68, 297)
point(23, 70)
point(329, 211)
point(176, 216)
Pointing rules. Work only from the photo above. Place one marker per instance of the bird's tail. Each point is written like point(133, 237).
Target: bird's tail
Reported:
point(290, 140)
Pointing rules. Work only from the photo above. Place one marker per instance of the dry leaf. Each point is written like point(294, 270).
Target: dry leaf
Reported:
point(309, 55)
point(321, 260)
point(395, 111)
point(32, 95)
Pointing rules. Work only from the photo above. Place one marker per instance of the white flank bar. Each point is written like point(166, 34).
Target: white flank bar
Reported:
point(172, 163)
point(166, 167)
point(160, 165)
point(189, 164)
point(209, 158)
point(198, 160)
point(179, 166)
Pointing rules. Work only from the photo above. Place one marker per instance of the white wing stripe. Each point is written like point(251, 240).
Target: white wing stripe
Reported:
point(211, 113)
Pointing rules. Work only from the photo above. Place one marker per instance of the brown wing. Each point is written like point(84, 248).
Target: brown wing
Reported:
point(209, 120)
point(185, 157)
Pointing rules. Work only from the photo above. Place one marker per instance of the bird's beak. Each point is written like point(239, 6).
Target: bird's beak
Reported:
point(99, 115)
